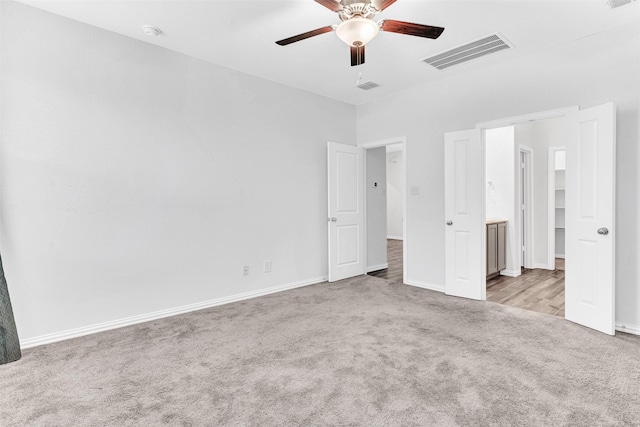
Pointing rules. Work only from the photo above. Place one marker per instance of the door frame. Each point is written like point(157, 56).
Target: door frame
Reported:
point(511, 121)
point(527, 229)
point(383, 143)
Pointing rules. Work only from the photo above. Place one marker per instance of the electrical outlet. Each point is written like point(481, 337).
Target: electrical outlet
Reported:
point(245, 270)
point(267, 266)
point(415, 190)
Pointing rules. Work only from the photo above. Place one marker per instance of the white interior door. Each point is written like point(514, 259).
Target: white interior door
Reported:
point(590, 191)
point(346, 211)
point(464, 216)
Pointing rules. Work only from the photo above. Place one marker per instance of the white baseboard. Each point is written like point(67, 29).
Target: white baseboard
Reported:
point(510, 273)
point(128, 321)
point(543, 266)
point(424, 285)
point(630, 329)
point(560, 256)
point(377, 267)
point(395, 237)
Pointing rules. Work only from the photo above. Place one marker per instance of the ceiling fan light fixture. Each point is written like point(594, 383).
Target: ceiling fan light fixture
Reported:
point(357, 31)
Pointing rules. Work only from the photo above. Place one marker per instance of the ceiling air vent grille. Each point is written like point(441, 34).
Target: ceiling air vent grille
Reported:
point(467, 52)
point(617, 3)
point(367, 85)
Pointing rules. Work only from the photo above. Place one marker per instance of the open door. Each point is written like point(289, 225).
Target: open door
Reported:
point(464, 216)
point(590, 202)
point(346, 211)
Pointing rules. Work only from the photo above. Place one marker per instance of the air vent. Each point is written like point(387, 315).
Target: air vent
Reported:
point(617, 3)
point(467, 52)
point(367, 85)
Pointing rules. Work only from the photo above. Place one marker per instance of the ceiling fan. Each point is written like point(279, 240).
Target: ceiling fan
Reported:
point(358, 27)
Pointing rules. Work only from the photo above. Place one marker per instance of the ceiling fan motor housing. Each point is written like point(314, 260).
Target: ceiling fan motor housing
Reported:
point(356, 8)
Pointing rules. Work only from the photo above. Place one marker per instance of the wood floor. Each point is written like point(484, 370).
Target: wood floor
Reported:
point(394, 258)
point(535, 289)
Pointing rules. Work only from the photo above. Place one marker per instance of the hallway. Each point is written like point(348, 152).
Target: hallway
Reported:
point(393, 272)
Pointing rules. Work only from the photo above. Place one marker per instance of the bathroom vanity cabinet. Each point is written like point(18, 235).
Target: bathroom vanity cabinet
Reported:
point(496, 246)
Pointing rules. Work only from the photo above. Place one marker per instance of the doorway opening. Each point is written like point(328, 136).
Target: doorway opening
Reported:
point(524, 211)
point(385, 208)
point(589, 139)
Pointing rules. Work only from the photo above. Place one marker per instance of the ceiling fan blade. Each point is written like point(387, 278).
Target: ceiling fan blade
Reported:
point(382, 4)
point(306, 35)
point(331, 4)
point(411, 29)
point(357, 55)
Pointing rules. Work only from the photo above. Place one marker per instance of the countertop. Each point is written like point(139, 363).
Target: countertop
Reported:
point(494, 221)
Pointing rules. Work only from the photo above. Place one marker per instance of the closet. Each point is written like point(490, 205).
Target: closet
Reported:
point(560, 202)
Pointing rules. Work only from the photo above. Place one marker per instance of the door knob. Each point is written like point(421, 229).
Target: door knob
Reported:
point(604, 231)
point(333, 219)
point(449, 222)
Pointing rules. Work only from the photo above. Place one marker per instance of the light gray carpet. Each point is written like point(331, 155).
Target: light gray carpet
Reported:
point(357, 352)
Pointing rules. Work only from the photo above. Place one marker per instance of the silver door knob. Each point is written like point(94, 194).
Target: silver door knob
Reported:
point(334, 219)
point(604, 231)
point(449, 222)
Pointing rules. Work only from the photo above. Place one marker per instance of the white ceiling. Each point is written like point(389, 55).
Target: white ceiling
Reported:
point(240, 35)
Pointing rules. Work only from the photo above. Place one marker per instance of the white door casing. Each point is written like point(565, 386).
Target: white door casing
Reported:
point(398, 141)
point(346, 211)
point(590, 203)
point(465, 258)
point(526, 223)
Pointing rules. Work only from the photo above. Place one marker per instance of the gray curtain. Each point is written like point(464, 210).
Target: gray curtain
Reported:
point(9, 342)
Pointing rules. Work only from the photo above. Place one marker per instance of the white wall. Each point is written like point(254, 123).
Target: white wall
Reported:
point(560, 161)
point(395, 191)
point(540, 135)
point(586, 72)
point(376, 189)
point(135, 179)
point(500, 193)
